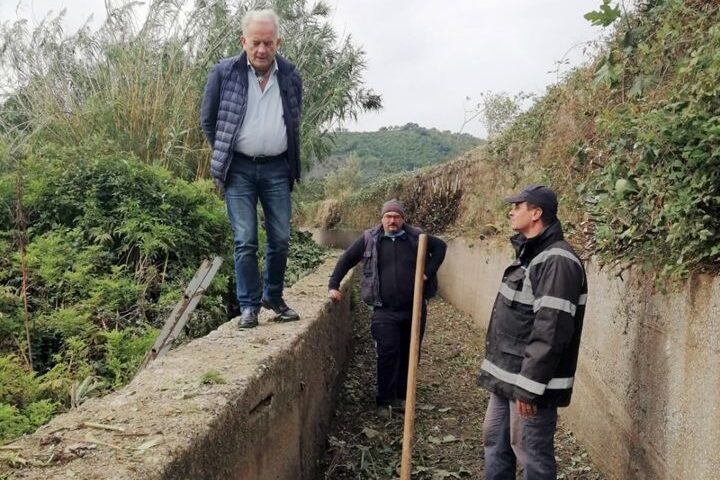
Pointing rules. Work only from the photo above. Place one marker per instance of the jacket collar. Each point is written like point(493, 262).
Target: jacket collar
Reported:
point(527, 248)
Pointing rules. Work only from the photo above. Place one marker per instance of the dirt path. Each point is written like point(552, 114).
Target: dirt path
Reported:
point(449, 413)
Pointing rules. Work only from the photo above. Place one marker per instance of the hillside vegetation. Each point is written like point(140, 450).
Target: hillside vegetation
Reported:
point(631, 142)
point(392, 150)
point(359, 160)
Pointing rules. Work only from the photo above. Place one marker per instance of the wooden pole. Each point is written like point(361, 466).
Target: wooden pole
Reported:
point(405, 466)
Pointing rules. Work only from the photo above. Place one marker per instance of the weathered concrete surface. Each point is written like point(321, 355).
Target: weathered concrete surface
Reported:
point(341, 239)
point(268, 421)
point(647, 395)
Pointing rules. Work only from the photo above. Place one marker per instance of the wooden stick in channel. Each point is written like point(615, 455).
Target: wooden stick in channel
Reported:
point(405, 466)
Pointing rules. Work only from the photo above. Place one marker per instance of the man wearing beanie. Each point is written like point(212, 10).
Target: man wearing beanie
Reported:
point(532, 341)
point(389, 254)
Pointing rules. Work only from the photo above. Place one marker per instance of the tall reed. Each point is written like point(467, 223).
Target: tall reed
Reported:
point(137, 81)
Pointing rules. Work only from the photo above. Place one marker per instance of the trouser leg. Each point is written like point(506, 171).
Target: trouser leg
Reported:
point(391, 331)
point(387, 334)
point(241, 198)
point(532, 440)
point(500, 458)
point(275, 198)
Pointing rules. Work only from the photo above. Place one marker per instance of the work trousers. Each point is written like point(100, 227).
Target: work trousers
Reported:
point(391, 332)
point(510, 439)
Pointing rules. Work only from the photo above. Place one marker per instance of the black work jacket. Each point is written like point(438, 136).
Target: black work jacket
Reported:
point(533, 338)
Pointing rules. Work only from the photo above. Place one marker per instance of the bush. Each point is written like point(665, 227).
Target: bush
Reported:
point(124, 350)
point(657, 199)
point(305, 256)
point(40, 412)
point(111, 246)
point(18, 386)
point(12, 422)
point(107, 236)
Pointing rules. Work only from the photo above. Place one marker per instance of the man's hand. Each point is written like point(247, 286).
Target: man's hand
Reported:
point(525, 409)
point(335, 295)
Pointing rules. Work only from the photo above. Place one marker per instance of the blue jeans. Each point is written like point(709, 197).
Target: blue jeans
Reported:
point(246, 183)
point(511, 439)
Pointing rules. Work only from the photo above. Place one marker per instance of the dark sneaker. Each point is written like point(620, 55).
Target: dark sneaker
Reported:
point(398, 405)
point(383, 412)
point(283, 312)
point(248, 318)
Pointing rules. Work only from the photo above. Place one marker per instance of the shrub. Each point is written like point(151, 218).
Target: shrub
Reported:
point(657, 199)
point(18, 386)
point(124, 350)
point(12, 422)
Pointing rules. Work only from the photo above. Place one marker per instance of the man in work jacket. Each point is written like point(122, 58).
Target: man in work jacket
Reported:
point(389, 254)
point(251, 118)
point(532, 341)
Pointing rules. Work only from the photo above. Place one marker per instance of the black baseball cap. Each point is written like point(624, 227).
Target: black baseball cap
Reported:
point(539, 195)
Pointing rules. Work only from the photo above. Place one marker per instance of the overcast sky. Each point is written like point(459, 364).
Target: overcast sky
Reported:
point(426, 56)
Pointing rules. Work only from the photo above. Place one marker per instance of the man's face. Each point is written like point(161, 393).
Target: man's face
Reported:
point(261, 41)
point(392, 222)
point(522, 217)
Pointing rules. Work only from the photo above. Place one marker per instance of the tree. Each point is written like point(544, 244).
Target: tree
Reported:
point(497, 110)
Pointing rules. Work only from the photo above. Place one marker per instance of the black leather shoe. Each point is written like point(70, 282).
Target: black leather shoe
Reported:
point(248, 318)
point(283, 312)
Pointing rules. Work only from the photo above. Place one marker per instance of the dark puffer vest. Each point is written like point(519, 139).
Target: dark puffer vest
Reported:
point(225, 103)
point(370, 284)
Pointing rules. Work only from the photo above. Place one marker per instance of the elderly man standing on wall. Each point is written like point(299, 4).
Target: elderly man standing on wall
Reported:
point(532, 342)
point(251, 118)
point(389, 255)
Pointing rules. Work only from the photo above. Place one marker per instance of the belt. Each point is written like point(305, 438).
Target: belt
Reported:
point(260, 158)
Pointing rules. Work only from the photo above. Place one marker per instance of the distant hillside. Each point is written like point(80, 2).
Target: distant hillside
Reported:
point(394, 149)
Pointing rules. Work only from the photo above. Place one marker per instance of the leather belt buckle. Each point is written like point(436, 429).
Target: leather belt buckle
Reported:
point(260, 159)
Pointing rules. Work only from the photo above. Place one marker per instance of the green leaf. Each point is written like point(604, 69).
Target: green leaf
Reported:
point(605, 16)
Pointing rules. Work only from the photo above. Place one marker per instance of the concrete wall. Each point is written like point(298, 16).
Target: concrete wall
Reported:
point(647, 395)
point(267, 421)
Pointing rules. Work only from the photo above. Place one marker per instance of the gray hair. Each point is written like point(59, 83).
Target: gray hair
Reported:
point(265, 15)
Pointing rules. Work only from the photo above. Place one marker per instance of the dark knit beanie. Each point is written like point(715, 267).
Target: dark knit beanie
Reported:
point(393, 205)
